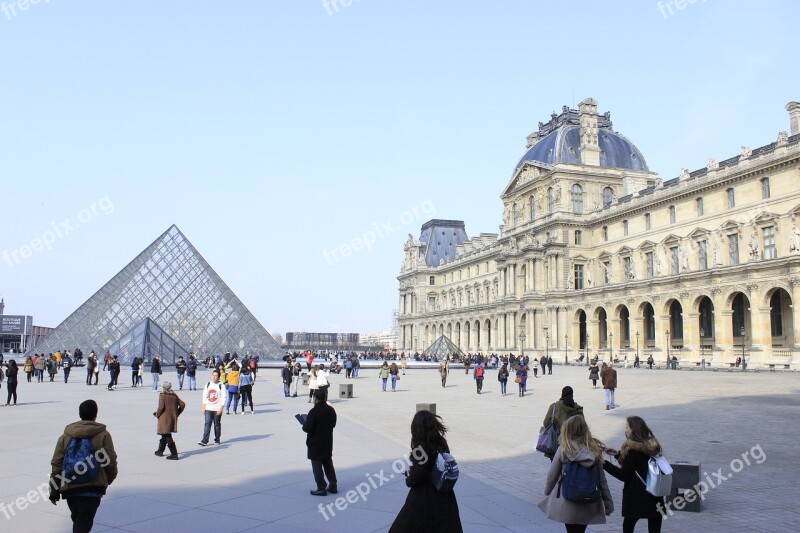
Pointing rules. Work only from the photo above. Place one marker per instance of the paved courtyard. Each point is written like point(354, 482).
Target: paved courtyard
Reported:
point(259, 478)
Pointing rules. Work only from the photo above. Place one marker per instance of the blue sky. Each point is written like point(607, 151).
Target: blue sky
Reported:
point(274, 132)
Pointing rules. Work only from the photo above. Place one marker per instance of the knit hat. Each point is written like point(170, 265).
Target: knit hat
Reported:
point(566, 392)
point(167, 386)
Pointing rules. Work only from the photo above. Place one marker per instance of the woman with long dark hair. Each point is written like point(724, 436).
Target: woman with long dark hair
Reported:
point(11, 381)
point(640, 445)
point(427, 509)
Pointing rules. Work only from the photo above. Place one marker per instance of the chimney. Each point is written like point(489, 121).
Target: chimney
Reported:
point(794, 117)
point(590, 149)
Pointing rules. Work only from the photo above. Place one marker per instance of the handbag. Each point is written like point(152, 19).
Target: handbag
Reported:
point(518, 380)
point(659, 476)
point(548, 436)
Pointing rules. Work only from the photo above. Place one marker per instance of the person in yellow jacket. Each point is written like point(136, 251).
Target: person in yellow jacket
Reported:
point(57, 357)
point(233, 389)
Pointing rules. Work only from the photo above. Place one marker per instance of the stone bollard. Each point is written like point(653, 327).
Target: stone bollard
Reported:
point(427, 407)
point(345, 390)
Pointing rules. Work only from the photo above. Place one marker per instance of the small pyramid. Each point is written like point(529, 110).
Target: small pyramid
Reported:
point(145, 341)
point(174, 286)
point(443, 347)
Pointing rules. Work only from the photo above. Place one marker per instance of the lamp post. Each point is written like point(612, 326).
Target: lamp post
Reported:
point(744, 361)
point(611, 345)
point(702, 350)
point(522, 338)
point(587, 349)
point(566, 361)
point(637, 345)
point(667, 335)
point(547, 344)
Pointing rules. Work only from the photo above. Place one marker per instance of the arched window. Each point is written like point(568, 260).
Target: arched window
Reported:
point(533, 208)
point(551, 200)
point(608, 196)
point(577, 199)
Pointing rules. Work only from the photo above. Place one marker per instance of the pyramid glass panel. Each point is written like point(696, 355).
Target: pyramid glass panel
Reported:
point(172, 284)
point(443, 347)
point(146, 340)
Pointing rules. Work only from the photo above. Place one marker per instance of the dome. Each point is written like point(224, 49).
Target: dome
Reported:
point(559, 141)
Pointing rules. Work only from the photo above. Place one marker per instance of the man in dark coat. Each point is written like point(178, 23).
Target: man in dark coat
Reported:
point(319, 425)
point(549, 364)
point(286, 374)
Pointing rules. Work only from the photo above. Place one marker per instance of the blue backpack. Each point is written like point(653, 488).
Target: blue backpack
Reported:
point(80, 464)
point(580, 484)
point(445, 472)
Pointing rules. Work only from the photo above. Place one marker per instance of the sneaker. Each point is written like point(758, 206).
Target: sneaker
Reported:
point(201, 443)
point(242, 413)
point(172, 457)
point(217, 442)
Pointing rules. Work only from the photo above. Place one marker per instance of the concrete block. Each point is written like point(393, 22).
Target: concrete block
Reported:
point(427, 407)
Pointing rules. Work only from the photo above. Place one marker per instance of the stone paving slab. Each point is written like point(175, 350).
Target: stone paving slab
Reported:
point(259, 478)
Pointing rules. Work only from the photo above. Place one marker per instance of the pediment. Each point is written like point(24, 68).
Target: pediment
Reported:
point(730, 225)
point(671, 239)
point(527, 173)
point(764, 216)
point(699, 233)
point(647, 245)
point(625, 250)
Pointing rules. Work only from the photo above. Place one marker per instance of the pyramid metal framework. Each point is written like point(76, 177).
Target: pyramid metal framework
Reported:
point(171, 283)
point(443, 347)
point(145, 341)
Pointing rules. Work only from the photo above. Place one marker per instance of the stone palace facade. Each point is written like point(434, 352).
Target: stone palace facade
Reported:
point(596, 253)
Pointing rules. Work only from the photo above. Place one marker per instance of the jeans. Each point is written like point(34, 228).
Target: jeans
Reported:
point(82, 510)
point(610, 397)
point(66, 375)
point(503, 384)
point(212, 416)
point(286, 386)
point(246, 392)
point(192, 383)
point(355, 371)
point(40, 375)
point(232, 396)
point(155, 376)
point(394, 382)
point(295, 384)
point(383, 385)
point(180, 380)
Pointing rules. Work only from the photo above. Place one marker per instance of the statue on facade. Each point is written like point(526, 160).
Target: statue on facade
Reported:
point(507, 216)
point(631, 270)
point(795, 246)
point(746, 152)
point(557, 193)
point(409, 242)
point(571, 280)
point(589, 274)
point(713, 164)
point(754, 243)
point(718, 252)
point(608, 273)
point(684, 174)
point(657, 266)
point(539, 200)
point(684, 256)
point(783, 138)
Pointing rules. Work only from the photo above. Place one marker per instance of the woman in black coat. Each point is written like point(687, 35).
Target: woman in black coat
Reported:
point(426, 509)
point(633, 456)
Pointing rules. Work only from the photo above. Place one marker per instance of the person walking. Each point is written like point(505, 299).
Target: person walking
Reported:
point(550, 364)
point(170, 407)
point(558, 412)
point(297, 368)
point(66, 365)
point(356, 366)
point(543, 363)
point(312, 384)
point(522, 378)
point(286, 376)
point(319, 426)
point(348, 368)
point(52, 367)
point(594, 374)
point(233, 389)
point(383, 375)
point(28, 368)
point(608, 376)
point(246, 389)
point(427, 509)
point(83, 499)
point(477, 375)
point(180, 369)
point(213, 402)
point(136, 364)
point(12, 371)
point(394, 372)
point(636, 361)
point(650, 362)
point(535, 367)
point(444, 370)
point(403, 363)
point(633, 456)
point(191, 372)
point(502, 377)
point(576, 445)
point(106, 360)
point(91, 364)
point(155, 372)
point(39, 367)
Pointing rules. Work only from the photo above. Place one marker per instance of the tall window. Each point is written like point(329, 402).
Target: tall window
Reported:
point(605, 233)
point(577, 199)
point(775, 314)
point(578, 277)
point(764, 187)
point(578, 236)
point(533, 208)
point(731, 198)
point(702, 253)
point(649, 260)
point(432, 280)
point(625, 227)
point(672, 214)
point(770, 252)
point(608, 196)
point(674, 260)
point(647, 221)
point(700, 211)
point(733, 248)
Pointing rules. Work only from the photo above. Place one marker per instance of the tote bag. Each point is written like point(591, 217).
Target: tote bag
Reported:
point(548, 437)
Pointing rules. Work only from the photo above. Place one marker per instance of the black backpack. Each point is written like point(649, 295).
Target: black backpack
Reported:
point(580, 484)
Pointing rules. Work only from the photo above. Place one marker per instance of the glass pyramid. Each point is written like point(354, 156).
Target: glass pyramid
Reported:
point(443, 347)
point(171, 283)
point(145, 341)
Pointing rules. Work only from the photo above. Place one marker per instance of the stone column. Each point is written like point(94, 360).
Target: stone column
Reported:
point(795, 318)
point(691, 334)
point(723, 331)
point(760, 335)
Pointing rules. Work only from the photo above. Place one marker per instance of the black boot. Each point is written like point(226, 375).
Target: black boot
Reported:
point(161, 445)
point(173, 451)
